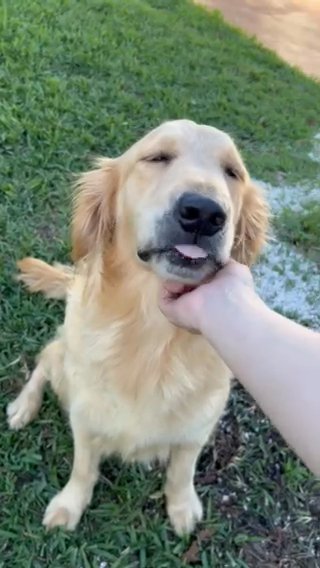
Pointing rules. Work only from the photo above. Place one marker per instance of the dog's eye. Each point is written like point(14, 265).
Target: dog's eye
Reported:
point(231, 172)
point(161, 157)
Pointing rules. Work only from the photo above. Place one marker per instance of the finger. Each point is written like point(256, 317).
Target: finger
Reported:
point(174, 290)
point(172, 287)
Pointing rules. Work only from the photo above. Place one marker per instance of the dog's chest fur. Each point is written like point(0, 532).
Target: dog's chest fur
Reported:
point(137, 381)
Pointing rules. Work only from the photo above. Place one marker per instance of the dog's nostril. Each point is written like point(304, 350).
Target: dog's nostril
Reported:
point(217, 219)
point(190, 213)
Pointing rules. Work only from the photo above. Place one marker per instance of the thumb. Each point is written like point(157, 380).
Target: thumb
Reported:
point(175, 302)
point(170, 294)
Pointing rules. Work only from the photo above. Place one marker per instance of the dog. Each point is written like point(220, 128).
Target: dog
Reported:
point(177, 205)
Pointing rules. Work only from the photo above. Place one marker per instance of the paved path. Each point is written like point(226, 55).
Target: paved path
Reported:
point(290, 27)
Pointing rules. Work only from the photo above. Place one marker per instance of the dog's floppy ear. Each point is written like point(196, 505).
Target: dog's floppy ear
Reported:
point(252, 226)
point(93, 221)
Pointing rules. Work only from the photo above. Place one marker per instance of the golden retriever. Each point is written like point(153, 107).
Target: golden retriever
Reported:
point(175, 206)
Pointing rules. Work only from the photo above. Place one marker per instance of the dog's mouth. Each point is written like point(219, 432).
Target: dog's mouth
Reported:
point(180, 255)
point(190, 264)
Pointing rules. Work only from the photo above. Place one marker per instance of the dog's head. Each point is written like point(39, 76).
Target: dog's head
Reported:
point(179, 202)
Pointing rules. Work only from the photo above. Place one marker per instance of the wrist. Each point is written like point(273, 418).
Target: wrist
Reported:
point(230, 313)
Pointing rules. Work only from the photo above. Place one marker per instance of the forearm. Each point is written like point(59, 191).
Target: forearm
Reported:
point(278, 362)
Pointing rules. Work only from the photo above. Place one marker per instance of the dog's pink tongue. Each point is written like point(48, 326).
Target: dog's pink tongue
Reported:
point(191, 251)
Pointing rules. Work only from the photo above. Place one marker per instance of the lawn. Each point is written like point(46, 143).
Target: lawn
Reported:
point(80, 78)
point(301, 228)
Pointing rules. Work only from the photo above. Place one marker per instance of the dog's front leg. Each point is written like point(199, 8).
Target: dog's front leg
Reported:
point(183, 504)
point(66, 508)
point(25, 407)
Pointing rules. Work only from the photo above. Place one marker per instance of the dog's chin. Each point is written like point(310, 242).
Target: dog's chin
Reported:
point(170, 265)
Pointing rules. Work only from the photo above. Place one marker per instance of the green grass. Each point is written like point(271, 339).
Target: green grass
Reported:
point(301, 228)
point(79, 78)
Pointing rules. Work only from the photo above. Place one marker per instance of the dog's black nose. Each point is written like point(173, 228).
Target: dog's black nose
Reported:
point(198, 214)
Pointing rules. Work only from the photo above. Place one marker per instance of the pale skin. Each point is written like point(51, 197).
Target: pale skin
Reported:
point(276, 360)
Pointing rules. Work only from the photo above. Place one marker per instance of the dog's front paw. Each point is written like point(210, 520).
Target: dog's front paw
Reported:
point(185, 514)
point(23, 409)
point(62, 512)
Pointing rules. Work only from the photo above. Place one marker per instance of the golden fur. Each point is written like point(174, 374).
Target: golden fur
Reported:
point(131, 382)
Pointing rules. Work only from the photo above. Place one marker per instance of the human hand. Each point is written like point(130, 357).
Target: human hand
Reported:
point(195, 310)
